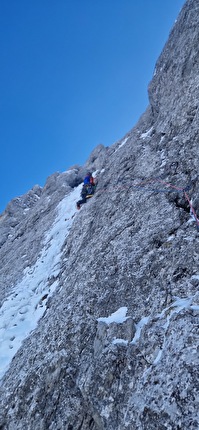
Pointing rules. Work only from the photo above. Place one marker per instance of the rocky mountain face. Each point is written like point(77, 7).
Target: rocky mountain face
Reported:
point(117, 345)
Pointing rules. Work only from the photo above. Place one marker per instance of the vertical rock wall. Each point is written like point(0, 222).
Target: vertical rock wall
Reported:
point(117, 347)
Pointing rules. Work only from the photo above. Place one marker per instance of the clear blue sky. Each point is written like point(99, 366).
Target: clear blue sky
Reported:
point(73, 74)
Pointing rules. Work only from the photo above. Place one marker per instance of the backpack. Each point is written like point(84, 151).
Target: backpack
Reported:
point(92, 181)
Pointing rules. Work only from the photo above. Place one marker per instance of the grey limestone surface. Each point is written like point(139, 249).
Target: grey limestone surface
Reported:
point(134, 245)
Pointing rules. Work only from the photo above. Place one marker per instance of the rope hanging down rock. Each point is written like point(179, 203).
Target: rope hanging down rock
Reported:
point(169, 188)
point(184, 191)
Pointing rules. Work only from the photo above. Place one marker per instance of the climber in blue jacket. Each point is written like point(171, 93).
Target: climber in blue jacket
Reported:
point(88, 189)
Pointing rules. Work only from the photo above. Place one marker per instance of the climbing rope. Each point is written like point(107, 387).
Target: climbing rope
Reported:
point(184, 191)
point(145, 186)
point(192, 209)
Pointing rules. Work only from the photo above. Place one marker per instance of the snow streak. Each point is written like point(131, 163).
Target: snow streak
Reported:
point(26, 304)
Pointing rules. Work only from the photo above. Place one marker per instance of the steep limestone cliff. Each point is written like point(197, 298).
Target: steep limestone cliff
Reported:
point(117, 345)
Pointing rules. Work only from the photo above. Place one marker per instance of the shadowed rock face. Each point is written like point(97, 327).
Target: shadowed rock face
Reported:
point(133, 246)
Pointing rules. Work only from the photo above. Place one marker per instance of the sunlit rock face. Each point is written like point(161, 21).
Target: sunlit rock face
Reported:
point(114, 344)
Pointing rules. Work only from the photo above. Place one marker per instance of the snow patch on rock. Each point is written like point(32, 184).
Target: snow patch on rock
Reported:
point(118, 317)
point(26, 304)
